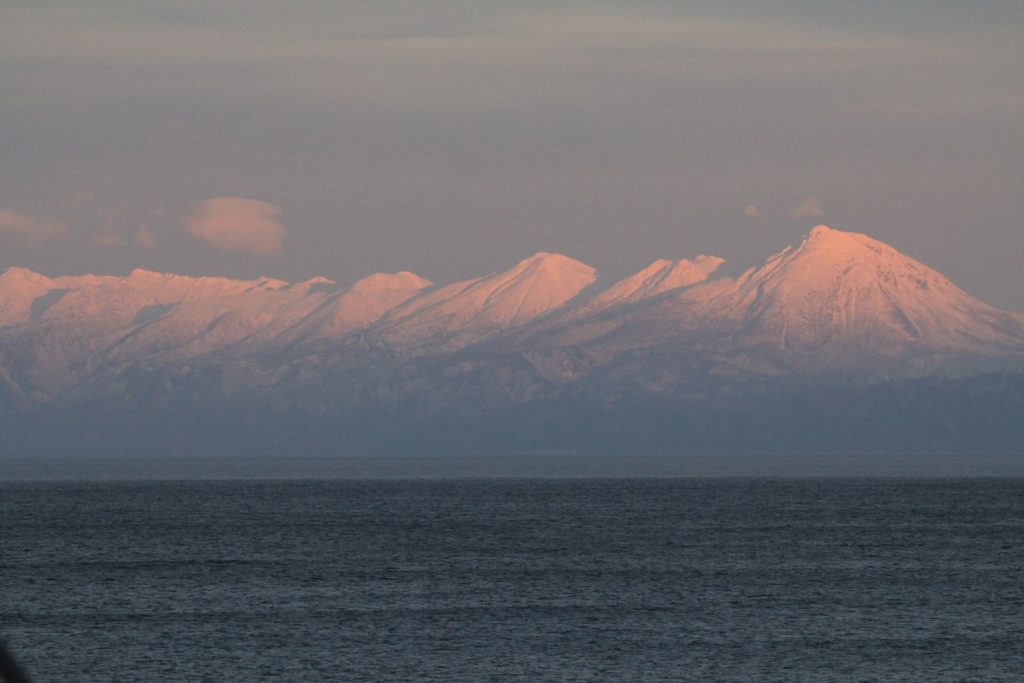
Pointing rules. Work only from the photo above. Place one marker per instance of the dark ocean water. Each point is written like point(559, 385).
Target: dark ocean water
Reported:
point(671, 579)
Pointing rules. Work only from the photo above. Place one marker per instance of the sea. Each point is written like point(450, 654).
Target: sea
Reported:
point(519, 579)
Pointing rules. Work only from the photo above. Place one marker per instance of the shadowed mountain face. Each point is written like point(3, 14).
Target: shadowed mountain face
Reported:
point(521, 359)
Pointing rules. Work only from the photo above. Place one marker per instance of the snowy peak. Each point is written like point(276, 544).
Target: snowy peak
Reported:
point(168, 288)
point(382, 284)
point(19, 288)
point(661, 276)
point(314, 283)
point(14, 275)
point(533, 287)
point(535, 284)
point(469, 311)
point(834, 301)
point(828, 258)
point(845, 290)
point(823, 240)
point(551, 262)
point(824, 232)
point(363, 303)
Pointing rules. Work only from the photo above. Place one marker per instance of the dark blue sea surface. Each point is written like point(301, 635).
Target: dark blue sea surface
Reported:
point(442, 580)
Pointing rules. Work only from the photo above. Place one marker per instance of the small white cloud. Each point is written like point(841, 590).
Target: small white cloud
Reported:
point(237, 224)
point(751, 211)
point(808, 208)
point(32, 230)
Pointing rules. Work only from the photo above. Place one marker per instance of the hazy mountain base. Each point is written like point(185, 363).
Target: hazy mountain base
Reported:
point(975, 415)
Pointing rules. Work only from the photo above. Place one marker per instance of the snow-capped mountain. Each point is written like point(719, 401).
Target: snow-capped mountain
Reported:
point(659, 277)
point(839, 306)
point(454, 316)
point(838, 301)
point(854, 293)
point(19, 289)
point(361, 305)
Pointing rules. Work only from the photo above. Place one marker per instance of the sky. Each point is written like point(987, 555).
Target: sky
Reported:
point(315, 137)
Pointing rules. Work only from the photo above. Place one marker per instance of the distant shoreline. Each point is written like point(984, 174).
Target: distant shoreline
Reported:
point(550, 466)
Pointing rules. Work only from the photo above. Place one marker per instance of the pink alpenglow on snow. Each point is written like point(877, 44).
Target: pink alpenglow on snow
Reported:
point(469, 311)
point(661, 276)
point(834, 301)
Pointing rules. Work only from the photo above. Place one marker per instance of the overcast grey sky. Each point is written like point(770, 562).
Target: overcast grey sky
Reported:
point(454, 138)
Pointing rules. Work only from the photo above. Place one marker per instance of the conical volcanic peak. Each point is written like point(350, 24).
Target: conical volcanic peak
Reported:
point(828, 258)
point(847, 290)
point(837, 244)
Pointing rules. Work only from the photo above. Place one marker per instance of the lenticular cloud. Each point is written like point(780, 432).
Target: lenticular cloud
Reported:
point(237, 224)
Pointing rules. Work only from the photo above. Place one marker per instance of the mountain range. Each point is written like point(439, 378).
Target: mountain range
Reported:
point(837, 343)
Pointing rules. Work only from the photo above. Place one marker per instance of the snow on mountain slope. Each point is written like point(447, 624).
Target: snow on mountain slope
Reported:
point(853, 292)
point(658, 278)
point(266, 317)
point(64, 328)
point(200, 324)
point(836, 301)
point(169, 288)
point(661, 276)
point(26, 295)
point(456, 315)
point(19, 288)
point(55, 331)
point(360, 305)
